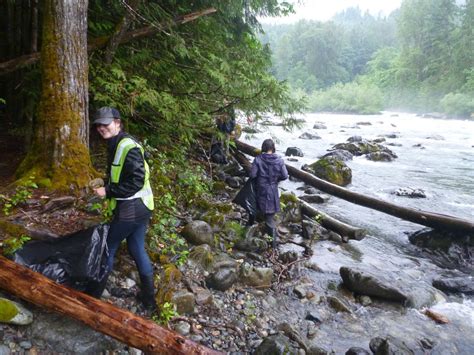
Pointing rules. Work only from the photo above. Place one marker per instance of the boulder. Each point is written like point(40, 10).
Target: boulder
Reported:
point(251, 244)
point(315, 198)
point(389, 346)
point(447, 249)
point(184, 301)
point(340, 154)
point(380, 156)
point(277, 344)
point(460, 284)
point(198, 232)
point(308, 135)
point(294, 151)
point(389, 287)
point(354, 139)
point(332, 170)
point(222, 279)
point(319, 125)
point(255, 276)
point(357, 351)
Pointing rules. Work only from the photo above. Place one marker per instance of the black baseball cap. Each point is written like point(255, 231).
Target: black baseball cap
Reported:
point(105, 115)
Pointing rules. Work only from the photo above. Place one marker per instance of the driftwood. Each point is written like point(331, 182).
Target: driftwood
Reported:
point(28, 59)
point(331, 223)
point(429, 219)
point(122, 325)
point(325, 220)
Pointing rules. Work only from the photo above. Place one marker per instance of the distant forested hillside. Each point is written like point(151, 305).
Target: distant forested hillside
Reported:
point(418, 58)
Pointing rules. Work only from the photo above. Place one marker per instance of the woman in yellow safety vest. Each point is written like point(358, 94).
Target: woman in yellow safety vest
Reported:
point(130, 199)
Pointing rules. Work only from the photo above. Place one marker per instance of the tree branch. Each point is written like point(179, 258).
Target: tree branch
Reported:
point(28, 59)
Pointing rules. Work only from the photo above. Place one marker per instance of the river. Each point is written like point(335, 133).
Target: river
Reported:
point(436, 155)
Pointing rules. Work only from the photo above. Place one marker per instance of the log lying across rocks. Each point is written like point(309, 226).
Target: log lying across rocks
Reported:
point(122, 325)
point(325, 220)
point(429, 219)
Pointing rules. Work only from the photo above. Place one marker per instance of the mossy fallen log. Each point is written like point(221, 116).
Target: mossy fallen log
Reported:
point(428, 219)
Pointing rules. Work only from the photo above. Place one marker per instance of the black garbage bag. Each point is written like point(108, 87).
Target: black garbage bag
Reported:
point(247, 197)
point(77, 260)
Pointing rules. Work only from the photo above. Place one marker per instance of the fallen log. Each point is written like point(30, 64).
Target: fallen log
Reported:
point(331, 223)
point(325, 220)
point(122, 325)
point(429, 219)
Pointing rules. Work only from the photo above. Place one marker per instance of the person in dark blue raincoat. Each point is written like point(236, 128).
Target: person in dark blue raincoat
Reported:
point(268, 169)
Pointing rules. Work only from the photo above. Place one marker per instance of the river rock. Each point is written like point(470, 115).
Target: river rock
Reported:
point(436, 137)
point(255, 276)
point(379, 140)
point(364, 123)
point(184, 301)
point(183, 328)
point(319, 125)
point(389, 346)
point(461, 284)
point(315, 198)
point(354, 139)
point(198, 232)
point(389, 287)
point(340, 154)
point(222, 279)
point(251, 244)
point(357, 351)
point(381, 156)
point(409, 192)
point(276, 345)
point(14, 313)
point(308, 135)
point(294, 151)
point(447, 249)
point(333, 170)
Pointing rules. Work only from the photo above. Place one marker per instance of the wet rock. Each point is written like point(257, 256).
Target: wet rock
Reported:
point(308, 135)
point(354, 139)
point(357, 351)
point(310, 190)
point(276, 345)
point(292, 159)
point(418, 145)
point(389, 287)
point(202, 296)
point(316, 350)
point(251, 244)
point(391, 135)
point(250, 130)
point(184, 301)
point(319, 125)
point(314, 316)
point(332, 170)
point(381, 156)
point(294, 151)
point(313, 230)
point(300, 291)
point(364, 300)
point(393, 144)
point(409, 192)
point(183, 328)
point(365, 123)
point(436, 137)
point(14, 313)
point(338, 304)
point(222, 279)
point(462, 284)
point(255, 276)
point(198, 232)
point(315, 198)
point(447, 249)
point(379, 140)
point(340, 154)
point(389, 346)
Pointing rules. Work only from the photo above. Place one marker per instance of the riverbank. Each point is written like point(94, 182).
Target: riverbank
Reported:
point(237, 295)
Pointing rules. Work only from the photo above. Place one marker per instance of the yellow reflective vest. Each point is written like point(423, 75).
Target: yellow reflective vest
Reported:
point(146, 194)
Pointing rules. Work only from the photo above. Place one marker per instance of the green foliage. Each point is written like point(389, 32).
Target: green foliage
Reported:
point(11, 245)
point(348, 98)
point(460, 105)
point(7, 310)
point(167, 312)
point(23, 192)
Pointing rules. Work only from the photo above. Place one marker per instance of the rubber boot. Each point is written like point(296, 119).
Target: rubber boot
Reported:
point(96, 288)
point(147, 294)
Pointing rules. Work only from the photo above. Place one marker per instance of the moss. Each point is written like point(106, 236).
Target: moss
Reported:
point(45, 182)
point(224, 207)
point(168, 283)
point(288, 197)
point(7, 310)
point(218, 186)
point(11, 229)
point(333, 170)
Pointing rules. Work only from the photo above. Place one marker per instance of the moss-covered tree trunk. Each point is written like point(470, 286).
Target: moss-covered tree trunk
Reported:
point(59, 154)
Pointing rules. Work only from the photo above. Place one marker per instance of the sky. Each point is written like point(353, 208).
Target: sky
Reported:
point(323, 10)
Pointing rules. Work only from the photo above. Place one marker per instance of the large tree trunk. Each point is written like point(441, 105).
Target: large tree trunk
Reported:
point(101, 316)
point(429, 219)
point(60, 145)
